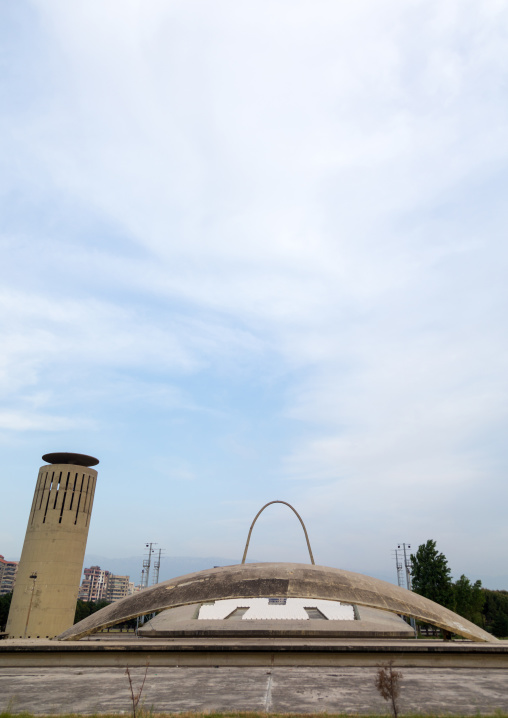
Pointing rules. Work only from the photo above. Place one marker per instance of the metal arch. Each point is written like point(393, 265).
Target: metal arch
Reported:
point(299, 518)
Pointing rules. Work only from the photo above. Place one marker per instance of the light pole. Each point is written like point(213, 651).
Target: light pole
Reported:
point(33, 576)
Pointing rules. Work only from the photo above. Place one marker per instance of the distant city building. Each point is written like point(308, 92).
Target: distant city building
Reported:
point(118, 587)
point(93, 586)
point(101, 585)
point(8, 570)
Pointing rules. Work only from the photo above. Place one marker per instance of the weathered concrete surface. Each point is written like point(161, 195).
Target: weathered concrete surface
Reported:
point(292, 580)
point(101, 651)
point(302, 690)
point(183, 621)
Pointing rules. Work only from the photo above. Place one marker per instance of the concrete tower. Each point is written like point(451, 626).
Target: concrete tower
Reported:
point(47, 582)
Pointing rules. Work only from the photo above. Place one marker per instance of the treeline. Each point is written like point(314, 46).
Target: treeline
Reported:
point(431, 578)
point(5, 604)
point(86, 608)
point(495, 613)
point(83, 609)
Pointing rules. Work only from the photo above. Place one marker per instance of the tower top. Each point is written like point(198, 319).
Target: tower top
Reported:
point(65, 457)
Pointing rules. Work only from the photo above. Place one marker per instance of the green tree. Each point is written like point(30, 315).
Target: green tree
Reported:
point(500, 625)
point(86, 608)
point(495, 612)
point(431, 575)
point(469, 599)
point(5, 604)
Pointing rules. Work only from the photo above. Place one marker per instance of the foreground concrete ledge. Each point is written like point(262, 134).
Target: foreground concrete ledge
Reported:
point(281, 690)
point(252, 652)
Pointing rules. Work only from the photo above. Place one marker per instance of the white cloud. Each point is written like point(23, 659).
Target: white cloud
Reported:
point(30, 421)
point(309, 190)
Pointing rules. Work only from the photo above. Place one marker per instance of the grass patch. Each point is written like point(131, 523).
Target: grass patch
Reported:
point(238, 714)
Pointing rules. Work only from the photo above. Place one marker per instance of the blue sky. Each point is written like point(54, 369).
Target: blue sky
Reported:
point(256, 251)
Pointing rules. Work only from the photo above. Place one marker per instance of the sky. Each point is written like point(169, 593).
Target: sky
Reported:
point(254, 251)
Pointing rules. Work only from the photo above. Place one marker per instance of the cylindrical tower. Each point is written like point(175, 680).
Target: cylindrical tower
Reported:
point(47, 583)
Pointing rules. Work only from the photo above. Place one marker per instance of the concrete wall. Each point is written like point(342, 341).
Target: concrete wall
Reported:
point(54, 549)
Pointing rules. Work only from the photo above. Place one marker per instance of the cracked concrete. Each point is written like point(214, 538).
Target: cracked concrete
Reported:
point(280, 689)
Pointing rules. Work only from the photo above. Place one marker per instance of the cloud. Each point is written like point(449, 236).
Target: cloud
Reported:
point(26, 421)
point(206, 200)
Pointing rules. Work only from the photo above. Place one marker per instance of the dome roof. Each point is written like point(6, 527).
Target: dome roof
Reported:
point(290, 580)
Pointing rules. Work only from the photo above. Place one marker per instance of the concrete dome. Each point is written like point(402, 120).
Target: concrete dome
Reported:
point(284, 580)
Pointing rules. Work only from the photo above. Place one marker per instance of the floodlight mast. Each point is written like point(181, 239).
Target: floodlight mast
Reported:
point(407, 566)
point(145, 577)
point(156, 567)
point(398, 564)
point(147, 562)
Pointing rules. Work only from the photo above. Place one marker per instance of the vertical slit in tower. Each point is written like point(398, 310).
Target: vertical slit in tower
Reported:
point(85, 504)
point(43, 488)
point(79, 500)
point(73, 491)
point(34, 502)
point(91, 504)
point(64, 497)
point(57, 489)
point(49, 494)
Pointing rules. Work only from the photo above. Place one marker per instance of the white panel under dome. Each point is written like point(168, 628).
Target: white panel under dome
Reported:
point(294, 609)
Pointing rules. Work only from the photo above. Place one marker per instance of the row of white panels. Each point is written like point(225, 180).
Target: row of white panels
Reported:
point(260, 608)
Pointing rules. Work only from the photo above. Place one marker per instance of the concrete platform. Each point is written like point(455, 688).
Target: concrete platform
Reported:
point(449, 691)
point(98, 651)
point(183, 622)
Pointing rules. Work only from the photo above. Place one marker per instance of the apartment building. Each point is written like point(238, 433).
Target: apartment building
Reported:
point(8, 570)
point(93, 586)
point(118, 587)
point(101, 585)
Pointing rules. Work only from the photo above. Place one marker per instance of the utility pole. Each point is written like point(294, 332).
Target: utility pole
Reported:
point(407, 566)
point(398, 564)
point(145, 576)
point(147, 562)
point(156, 567)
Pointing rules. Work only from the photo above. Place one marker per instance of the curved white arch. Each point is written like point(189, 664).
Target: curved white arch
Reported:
point(277, 501)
